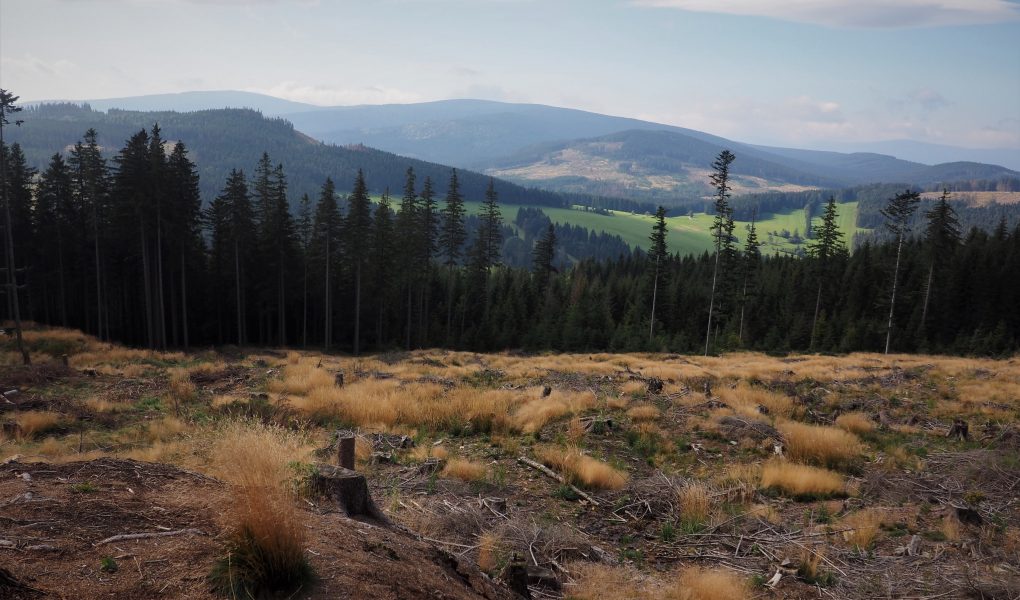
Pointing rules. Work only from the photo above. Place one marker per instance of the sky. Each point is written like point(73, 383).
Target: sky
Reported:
point(784, 72)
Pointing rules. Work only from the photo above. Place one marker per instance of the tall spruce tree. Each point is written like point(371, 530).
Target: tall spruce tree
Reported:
point(452, 235)
point(942, 236)
point(722, 226)
point(826, 247)
point(382, 262)
point(91, 179)
point(231, 219)
point(409, 232)
point(185, 234)
point(304, 228)
point(657, 258)
point(326, 245)
point(898, 213)
point(428, 218)
point(54, 206)
point(8, 106)
point(750, 265)
point(542, 255)
point(358, 237)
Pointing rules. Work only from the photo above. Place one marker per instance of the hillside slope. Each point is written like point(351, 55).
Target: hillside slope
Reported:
point(221, 140)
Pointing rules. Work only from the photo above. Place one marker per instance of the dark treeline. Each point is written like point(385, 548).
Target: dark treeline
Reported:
point(124, 250)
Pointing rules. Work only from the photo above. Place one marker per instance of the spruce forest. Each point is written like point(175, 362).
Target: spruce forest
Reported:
point(122, 248)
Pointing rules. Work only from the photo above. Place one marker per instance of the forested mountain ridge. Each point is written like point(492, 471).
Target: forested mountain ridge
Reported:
point(673, 168)
point(224, 139)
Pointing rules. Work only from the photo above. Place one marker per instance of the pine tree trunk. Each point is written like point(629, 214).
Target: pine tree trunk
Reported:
point(655, 293)
point(927, 295)
point(304, 307)
point(184, 300)
point(60, 271)
point(743, 305)
point(449, 307)
point(408, 343)
point(328, 308)
point(892, 298)
point(159, 274)
point(814, 321)
point(281, 299)
point(99, 286)
point(711, 301)
point(12, 280)
point(357, 309)
point(147, 288)
point(237, 295)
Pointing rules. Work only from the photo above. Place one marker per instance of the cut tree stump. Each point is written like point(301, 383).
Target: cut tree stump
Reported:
point(959, 430)
point(348, 489)
point(345, 452)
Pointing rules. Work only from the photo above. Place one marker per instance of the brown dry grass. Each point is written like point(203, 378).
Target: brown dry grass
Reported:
point(538, 412)
point(644, 412)
point(695, 503)
point(863, 526)
point(855, 422)
point(34, 422)
point(745, 400)
point(465, 470)
point(800, 480)
point(701, 583)
point(820, 445)
point(581, 468)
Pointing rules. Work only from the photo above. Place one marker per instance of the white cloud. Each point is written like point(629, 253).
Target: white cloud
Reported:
point(29, 64)
point(336, 96)
point(858, 13)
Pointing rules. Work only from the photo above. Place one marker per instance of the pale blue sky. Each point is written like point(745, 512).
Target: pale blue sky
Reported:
point(787, 72)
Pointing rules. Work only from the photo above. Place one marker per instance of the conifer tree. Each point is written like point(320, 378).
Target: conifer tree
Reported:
point(8, 106)
point(751, 263)
point(657, 257)
point(827, 246)
point(452, 235)
point(490, 235)
point(722, 225)
point(304, 228)
point(231, 218)
point(358, 230)
point(186, 208)
point(428, 218)
point(326, 241)
point(542, 255)
point(53, 204)
point(898, 213)
point(409, 232)
point(91, 179)
point(942, 236)
point(382, 261)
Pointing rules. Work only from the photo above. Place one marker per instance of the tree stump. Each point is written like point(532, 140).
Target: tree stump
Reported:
point(655, 385)
point(338, 379)
point(345, 452)
point(348, 489)
point(546, 391)
point(958, 430)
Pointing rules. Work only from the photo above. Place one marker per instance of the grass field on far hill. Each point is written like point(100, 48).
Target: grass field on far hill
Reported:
point(687, 234)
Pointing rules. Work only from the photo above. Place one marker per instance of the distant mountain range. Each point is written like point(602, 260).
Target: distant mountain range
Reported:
point(571, 150)
point(224, 139)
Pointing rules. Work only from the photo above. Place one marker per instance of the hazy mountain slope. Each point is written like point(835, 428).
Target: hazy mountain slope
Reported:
point(220, 140)
point(673, 168)
point(193, 101)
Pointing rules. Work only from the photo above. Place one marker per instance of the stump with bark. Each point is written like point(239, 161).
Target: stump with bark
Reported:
point(348, 489)
point(959, 430)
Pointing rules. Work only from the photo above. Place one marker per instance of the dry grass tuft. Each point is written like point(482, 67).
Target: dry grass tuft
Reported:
point(746, 400)
point(581, 468)
point(181, 390)
point(700, 583)
point(465, 470)
point(800, 480)
point(163, 429)
point(34, 422)
point(604, 582)
point(695, 503)
point(538, 412)
point(267, 538)
point(821, 445)
point(864, 527)
point(855, 422)
point(300, 378)
point(488, 549)
point(643, 412)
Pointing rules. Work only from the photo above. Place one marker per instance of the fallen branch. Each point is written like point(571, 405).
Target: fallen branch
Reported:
point(546, 470)
point(139, 536)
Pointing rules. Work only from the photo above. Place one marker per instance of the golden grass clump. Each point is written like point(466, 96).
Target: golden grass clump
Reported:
point(181, 389)
point(301, 378)
point(267, 537)
point(800, 480)
point(863, 527)
point(488, 548)
point(34, 422)
point(695, 503)
point(425, 451)
point(538, 412)
point(643, 412)
point(855, 422)
point(701, 583)
point(163, 429)
point(745, 400)
point(597, 581)
point(582, 469)
point(463, 469)
point(819, 444)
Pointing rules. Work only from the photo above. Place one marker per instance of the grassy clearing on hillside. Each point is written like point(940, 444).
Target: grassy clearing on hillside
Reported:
point(688, 494)
point(687, 235)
